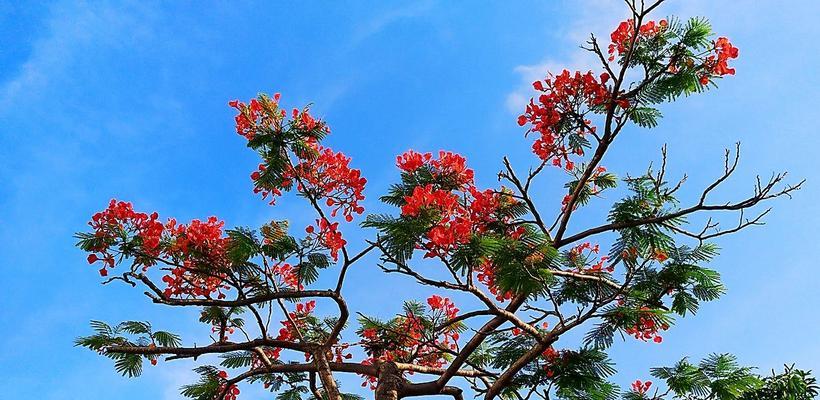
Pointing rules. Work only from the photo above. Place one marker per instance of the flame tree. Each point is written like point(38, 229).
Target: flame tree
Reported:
point(534, 275)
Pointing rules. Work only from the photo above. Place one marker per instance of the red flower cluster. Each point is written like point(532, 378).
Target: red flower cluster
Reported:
point(258, 362)
point(328, 236)
point(411, 160)
point(458, 216)
point(411, 341)
point(286, 275)
point(427, 197)
point(641, 387)
point(444, 304)
point(646, 329)
point(598, 266)
point(560, 111)
point(249, 116)
point(659, 255)
point(409, 346)
point(194, 249)
point(118, 219)
point(485, 273)
point(449, 310)
point(623, 35)
point(330, 177)
point(449, 166)
point(551, 357)
point(184, 281)
point(232, 391)
point(289, 330)
point(718, 64)
point(326, 176)
point(203, 251)
point(263, 115)
point(459, 209)
point(322, 175)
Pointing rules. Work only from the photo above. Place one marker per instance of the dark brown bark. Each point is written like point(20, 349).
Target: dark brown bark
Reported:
point(390, 382)
point(326, 376)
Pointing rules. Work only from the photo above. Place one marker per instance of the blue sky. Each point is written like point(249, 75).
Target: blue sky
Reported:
point(128, 100)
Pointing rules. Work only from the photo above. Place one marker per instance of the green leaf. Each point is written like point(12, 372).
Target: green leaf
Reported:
point(645, 117)
point(167, 339)
point(207, 388)
point(135, 327)
point(237, 359)
point(129, 365)
point(243, 244)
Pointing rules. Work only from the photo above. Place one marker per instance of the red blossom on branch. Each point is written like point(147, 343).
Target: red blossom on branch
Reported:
point(560, 111)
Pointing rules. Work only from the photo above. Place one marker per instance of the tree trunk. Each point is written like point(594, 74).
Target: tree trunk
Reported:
point(328, 383)
point(389, 382)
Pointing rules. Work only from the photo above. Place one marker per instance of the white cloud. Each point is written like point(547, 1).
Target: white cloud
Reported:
point(518, 98)
point(598, 17)
point(595, 16)
point(382, 21)
point(70, 28)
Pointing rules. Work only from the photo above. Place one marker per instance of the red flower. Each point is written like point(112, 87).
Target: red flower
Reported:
point(659, 255)
point(448, 165)
point(442, 303)
point(717, 64)
point(641, 387)
point(646, 329)
point(120, 218)
point(328, 236)
point(427, 197)
point(329, 176)
point(564, 100)
point(411, 160)
point(624, 34)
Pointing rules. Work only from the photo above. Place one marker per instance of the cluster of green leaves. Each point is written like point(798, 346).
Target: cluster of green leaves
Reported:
point(418, 325)
point(594, 185)
point(649, 199)
point(618, 318)
point(222, 316)
point(582, 375)
point(276, 140)
point(792, 384)
point(122, 244)
point(208, 386)
point(522, 265)
point(277, 245)
point(315, 329)
point(656, 268)
point(286, 385)
point(572, 374)
point(680, 277)
point(720, 377)
point(106, 338)
point(675, 57)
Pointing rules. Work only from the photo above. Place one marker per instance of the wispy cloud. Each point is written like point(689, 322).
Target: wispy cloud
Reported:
point(389, 17)
point(597, 17)
point(70, 28)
